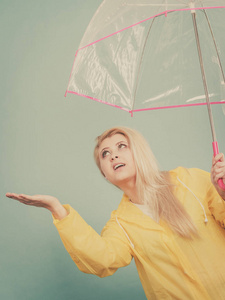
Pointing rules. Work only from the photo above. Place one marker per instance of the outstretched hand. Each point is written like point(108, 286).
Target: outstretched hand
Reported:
point(49, 202)
point(218, 172)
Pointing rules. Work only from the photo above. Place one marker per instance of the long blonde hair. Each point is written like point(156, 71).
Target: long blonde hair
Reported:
point(153, 186)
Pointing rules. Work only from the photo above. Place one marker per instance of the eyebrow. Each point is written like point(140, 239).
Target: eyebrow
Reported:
point(115, 144)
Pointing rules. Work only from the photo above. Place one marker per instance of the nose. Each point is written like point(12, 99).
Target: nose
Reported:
point(113, 157)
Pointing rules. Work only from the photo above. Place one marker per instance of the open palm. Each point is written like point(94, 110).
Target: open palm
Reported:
point(35, 200)
point(49, 202)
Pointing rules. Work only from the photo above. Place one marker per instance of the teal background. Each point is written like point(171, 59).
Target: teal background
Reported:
point(47, 146)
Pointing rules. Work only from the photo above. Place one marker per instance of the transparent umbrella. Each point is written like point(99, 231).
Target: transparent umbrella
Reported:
point(142, 54)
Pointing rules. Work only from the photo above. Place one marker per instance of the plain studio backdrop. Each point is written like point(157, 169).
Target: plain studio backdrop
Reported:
point(47, 144)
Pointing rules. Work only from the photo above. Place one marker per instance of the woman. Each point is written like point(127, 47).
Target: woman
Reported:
point(170, 222)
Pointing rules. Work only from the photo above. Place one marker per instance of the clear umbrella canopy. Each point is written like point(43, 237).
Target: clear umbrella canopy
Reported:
point(140, 55)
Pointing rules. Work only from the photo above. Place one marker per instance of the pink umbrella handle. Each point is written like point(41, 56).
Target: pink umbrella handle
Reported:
point(215, 152)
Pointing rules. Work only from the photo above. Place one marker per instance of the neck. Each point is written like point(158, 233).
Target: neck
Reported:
point(131, 191)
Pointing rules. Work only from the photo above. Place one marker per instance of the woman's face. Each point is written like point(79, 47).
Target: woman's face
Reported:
point(116, 160)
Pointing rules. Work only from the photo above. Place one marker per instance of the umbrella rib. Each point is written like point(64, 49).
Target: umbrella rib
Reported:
point(139, 68)
point(203, 76)
point(215, 45)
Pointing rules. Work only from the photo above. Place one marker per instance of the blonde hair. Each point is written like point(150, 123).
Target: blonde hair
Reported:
point(153, 186)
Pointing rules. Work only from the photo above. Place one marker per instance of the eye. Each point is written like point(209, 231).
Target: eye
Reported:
point(120, 146)
point(105, 153)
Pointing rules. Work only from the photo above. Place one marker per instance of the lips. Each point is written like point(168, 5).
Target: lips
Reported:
point(118, 165)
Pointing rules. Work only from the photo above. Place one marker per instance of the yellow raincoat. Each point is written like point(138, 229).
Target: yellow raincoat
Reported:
point(169, 266)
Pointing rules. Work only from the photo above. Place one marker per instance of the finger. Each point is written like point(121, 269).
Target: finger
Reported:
point(28, 200)
point(9, 195)
point(219, 167)
point(218, 170)
point(26, 196)
point(13, 196)
point(222, 157)
point(218, 157)
point(31, 198)
point(219, 174)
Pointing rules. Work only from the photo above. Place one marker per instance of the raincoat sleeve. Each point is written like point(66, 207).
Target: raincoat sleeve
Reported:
point(216, 205)
point(207, 190)
point(96, 254)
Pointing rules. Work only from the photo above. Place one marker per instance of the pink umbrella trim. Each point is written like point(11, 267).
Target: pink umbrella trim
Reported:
point(162, 13)
point(143, 109)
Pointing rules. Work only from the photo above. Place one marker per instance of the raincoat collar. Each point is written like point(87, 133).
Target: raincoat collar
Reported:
point(130, 213)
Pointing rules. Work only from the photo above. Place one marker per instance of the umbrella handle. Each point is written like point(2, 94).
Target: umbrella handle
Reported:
point(215, 152)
